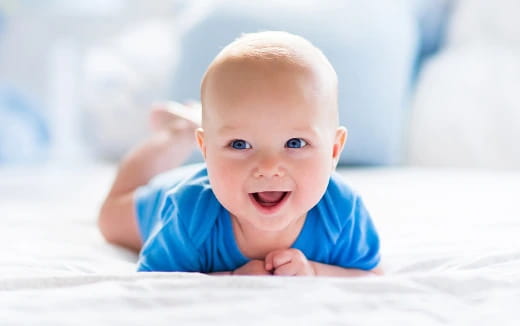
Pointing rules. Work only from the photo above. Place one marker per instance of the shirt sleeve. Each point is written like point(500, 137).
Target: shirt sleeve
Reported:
point(148, 202)
point(149, 199)
point(169, 247)
point(358, 243)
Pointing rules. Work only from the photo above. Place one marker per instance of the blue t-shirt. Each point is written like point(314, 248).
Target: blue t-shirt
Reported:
point(185, 229)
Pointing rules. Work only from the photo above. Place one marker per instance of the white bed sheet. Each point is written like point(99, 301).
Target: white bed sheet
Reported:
point(450, 245)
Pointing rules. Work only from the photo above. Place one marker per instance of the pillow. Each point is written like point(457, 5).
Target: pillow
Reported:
point(466, 111)
point(485, 21)
point(372, 45)
point(24, 134)
point(121, 76)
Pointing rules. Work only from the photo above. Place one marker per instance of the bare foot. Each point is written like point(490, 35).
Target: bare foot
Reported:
point(177, 122)
point(175, 116)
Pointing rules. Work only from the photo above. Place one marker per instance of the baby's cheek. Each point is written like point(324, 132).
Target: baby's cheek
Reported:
point(313, 184)
point(226, 184)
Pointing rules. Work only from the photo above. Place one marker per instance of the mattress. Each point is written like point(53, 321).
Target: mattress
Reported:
point(450, 248)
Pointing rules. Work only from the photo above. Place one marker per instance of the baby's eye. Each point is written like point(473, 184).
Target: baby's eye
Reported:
point(295, 143)
point(240, 144)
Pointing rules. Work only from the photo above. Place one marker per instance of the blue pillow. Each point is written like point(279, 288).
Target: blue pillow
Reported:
point(373, 46)
point(24, 136)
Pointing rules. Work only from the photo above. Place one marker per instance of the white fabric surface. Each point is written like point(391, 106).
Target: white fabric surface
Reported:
point(450, 249)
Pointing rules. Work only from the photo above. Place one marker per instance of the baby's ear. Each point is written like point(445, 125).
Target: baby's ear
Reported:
point(199, 135)
point(339, 144)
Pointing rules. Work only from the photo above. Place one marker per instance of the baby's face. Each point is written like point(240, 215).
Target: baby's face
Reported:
point(270, 142)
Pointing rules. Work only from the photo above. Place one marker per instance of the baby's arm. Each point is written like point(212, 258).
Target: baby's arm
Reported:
point(331, 270)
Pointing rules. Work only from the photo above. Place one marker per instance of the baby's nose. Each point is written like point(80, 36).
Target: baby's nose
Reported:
point(269, 166)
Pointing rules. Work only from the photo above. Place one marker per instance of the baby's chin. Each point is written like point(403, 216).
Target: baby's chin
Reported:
point(268, 223)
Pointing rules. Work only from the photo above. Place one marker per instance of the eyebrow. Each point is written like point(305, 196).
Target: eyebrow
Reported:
point(227, 128)
point(305, 130)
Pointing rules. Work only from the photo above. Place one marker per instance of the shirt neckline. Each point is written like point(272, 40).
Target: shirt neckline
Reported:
point(231, 242)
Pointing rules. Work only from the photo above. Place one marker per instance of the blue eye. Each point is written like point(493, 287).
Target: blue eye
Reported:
point(295, 143)
point(240, 144)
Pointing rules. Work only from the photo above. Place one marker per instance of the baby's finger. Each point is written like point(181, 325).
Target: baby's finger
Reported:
point(282, 257)
point(288, 269)
point(268, 261)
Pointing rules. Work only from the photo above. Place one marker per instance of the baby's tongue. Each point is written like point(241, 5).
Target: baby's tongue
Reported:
point(270, 196)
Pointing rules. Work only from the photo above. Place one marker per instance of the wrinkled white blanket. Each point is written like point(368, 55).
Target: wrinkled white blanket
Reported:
point(450, 245)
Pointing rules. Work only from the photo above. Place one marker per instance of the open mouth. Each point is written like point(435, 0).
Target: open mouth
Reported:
point(269, 201)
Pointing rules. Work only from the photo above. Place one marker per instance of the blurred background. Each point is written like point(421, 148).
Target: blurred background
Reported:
point(422, 82)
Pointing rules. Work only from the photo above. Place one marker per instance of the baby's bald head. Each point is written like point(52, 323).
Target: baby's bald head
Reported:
point(270, 120)
point(271, 64)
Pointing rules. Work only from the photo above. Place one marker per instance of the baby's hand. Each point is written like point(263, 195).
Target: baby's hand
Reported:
point(289, 262)
point(253, 267)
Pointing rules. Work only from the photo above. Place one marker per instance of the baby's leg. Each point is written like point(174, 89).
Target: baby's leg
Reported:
point(172, 141)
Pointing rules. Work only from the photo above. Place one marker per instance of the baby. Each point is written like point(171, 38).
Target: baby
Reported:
point(266, 201)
